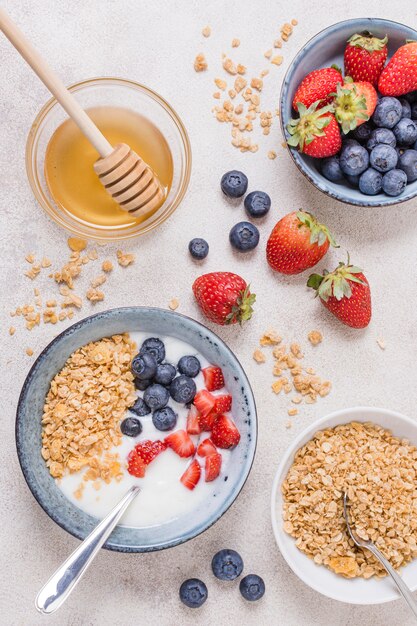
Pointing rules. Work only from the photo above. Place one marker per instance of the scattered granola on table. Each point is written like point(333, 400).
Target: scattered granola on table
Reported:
point(315, 337)
point(173, 304)
point(378, 471)
point(200, 63)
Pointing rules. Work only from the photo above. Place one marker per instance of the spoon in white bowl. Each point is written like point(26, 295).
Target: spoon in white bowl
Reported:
point(368, 545)
point(54, 593)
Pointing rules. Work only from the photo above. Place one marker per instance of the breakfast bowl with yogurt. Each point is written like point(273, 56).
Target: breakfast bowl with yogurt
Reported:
point(137, 396)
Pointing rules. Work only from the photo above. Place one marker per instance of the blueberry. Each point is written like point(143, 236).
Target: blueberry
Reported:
point(244, 236)
point(381, 135)
point(400, 151)
point(408, 163)
point(414, 111)
point(156, 396)
point(354, 159)
point(411, 97)
point(140, 408)
point(153, 346)
point(183, 389)
point(405, 132)
point(257, 203)
point(144, 366)
point(383, 158)
point(193, 593)
point(252, 587)
point(142, 384)
point(394, 182)
point(165, 373)
point(198, 248)
point(353, 179)
point(131, 427)
point(387, 112)
point(234, 184)
point(189, 365)
point(330, 168)
point(406, 108)
point(165, 418)
point(362, 132)
point(348, 141)
point(370, 182)
point(227, 564)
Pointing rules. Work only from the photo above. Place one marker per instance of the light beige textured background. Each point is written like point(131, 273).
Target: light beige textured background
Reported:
point(155, 42)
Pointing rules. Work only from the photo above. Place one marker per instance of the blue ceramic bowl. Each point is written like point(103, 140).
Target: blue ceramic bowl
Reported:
point(323, 50)
point(30, 408)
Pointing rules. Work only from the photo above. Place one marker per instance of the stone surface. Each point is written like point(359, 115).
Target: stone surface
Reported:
point(155, 43)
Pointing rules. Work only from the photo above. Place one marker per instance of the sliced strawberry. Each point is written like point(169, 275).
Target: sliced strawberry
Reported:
point(204, 402)
point(223, 404)
point(213, 377)
point(193, 421)
point(213, 466)
point(181, 443)
point(135, 464)
point(225, 433)
point(206, 447)
point(148, 450)
point(191, 475)
point(207, 422)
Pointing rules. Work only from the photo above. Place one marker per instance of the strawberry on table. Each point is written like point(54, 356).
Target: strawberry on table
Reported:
point(345, 293)
point(297, 242)
point(224, 297)
point(365, 57)
point(225, 433)
point(213, 466)
point(400, 75)
point(317, 85)
point(354, 104)
point(316, 132)
point(191, 475)
point(213, 378)
point(193, 421)
point(222, 404)
point(181, 443)
point(206, 447)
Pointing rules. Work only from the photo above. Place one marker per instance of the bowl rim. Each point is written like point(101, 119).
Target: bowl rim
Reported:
point(309, 431)
point(243, 477)
point(367, 202)
point(33, 176)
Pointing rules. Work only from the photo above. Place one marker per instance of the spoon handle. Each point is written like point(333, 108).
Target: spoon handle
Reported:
point(403, 588)
point(54, 593)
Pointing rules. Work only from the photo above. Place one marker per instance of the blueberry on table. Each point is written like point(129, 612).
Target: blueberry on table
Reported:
point(153, 346)
point(142, 384)
point(156, 396)
point(144, 366)
point(140, 408)
point(370, 182)
point(330, 168)
point(252, 587)
point(257, 203)
point(388, 112)
point(408, 163)
point(383, 158)
point(189, 365)
point(183, 389)
point(227, 564)
point(244, 236)
point(381, 135)
point(234, 184)
point(131, 427)
point(193, 593)
point(362, 132)
point(198, 248)
point(405, 132)
point(406, 106)
point(165, 373)
point(394, 182)
point(348, 141)
point(354, 159)
point(165, 418)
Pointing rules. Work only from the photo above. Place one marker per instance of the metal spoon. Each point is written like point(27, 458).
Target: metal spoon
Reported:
point(54, 593)
point(368, 545)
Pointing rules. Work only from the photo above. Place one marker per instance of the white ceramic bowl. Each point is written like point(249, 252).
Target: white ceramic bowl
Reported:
point(318, 577)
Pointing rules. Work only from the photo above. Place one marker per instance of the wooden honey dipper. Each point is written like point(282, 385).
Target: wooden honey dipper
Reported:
point(125, 176)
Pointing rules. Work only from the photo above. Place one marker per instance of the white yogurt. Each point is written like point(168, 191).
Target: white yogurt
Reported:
point(163, 497)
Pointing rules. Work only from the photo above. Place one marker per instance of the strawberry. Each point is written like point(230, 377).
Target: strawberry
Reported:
point(315, 132)
point(181, 443)
point(191, 475)
point(225, 433)
point(213, 466)
point(135, 464)
point(207, 422)
point(400, 75)
point(345, 293)
point(298, 241)
point(149, 450)
point(318, 85)
point(206, 447)
point(365, 57)
point(223, 404)
point(354, 104)
point(193, 421)
point(213, 378)
point(224, 297)
point(204, 402)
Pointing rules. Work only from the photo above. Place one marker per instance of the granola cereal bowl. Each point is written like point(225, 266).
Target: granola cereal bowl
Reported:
point(62, 510)
point(356, 590)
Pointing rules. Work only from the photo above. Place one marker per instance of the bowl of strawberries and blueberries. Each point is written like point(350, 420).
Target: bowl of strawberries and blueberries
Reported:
point(358, 124)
